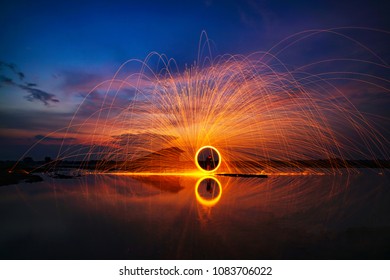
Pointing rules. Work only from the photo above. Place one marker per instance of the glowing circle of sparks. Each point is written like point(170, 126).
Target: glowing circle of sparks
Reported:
point(202, 169)
point(208, 202)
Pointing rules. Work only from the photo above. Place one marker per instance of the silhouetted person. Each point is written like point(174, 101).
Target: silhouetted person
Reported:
point(208, 186)
point(209, 162)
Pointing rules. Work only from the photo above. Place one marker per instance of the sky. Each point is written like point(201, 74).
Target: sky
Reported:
point(52, 53)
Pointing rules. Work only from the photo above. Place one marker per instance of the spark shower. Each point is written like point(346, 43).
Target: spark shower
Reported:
point(251, 108)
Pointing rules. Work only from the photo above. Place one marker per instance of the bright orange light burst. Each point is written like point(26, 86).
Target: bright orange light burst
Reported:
point(250, 107)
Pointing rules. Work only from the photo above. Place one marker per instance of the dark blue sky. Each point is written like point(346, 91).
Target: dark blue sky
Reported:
point(52, 50)
point(72, 33)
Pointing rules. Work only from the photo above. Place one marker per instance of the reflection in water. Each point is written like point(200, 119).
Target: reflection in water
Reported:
point(208, 191)
point(123, 217)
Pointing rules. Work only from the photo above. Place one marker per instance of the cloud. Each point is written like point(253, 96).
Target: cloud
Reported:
point(40, 95)
point(6, 80)
point(21, 75)
point(54, 140)
point(13, 68)
point(34, 93)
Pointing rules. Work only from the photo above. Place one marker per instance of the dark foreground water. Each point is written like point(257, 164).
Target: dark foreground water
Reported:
point(121, 217)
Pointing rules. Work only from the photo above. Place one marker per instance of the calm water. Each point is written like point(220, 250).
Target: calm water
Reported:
point(121, 217)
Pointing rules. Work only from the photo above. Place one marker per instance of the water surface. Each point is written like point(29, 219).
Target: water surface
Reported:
point(122, 217)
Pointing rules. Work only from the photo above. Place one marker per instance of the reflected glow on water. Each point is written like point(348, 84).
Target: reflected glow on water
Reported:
point(213, 189)
point(172, 217)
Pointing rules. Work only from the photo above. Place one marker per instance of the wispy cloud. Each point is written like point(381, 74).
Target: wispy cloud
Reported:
point(6, 80)
point(53, 140)
point(13, 68)
point(40, 95)
point(35, 94)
